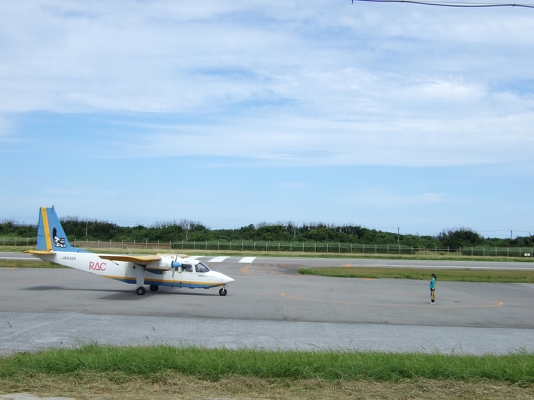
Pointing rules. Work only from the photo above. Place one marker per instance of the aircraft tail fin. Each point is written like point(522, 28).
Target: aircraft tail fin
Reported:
point(50, 234)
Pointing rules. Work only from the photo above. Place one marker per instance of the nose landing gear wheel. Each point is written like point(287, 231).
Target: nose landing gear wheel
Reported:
point(154, 288)
point(140, 290)
point(223, 292)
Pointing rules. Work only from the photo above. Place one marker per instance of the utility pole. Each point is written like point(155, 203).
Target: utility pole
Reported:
point(398, 235)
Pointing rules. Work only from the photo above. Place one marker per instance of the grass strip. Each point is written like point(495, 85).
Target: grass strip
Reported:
point(458, 275)
point(28, 264)
point(420, 255)
point(214, 364)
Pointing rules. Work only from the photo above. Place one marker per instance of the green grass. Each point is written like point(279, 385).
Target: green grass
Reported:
point(28, 264)
point(215, 364)
point(459, 275)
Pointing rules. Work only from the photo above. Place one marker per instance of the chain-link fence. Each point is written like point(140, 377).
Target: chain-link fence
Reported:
point(305, 247)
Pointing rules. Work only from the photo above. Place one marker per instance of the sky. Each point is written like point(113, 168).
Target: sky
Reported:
point(392, 116)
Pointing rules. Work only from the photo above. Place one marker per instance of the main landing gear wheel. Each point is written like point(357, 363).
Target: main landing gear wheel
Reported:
point(140, 290)
point(223, 292)
point(154, 288)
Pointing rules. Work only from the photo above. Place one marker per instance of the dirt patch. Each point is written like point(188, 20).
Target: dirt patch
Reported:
point(172, 386)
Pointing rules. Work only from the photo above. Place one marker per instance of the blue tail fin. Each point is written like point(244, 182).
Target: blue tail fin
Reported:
point(50, 233)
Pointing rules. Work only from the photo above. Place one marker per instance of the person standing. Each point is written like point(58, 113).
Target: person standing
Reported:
point(433, 289)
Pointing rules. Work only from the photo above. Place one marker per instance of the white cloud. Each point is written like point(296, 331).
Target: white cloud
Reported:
point(300, 83)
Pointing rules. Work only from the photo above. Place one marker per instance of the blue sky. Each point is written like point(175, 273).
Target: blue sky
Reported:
point(390, 116)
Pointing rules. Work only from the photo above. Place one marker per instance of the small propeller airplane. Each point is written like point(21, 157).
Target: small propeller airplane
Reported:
point(155, 270)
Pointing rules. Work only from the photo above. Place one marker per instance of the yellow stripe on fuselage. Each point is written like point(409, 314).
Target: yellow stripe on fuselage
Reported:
point(46, 228)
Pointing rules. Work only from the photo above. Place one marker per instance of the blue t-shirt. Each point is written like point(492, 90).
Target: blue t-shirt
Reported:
point(433, 283)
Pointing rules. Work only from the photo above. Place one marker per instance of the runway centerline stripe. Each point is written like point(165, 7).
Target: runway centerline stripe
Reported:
point(247, 260)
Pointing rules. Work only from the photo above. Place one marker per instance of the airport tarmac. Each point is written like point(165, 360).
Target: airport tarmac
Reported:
point(270, 306)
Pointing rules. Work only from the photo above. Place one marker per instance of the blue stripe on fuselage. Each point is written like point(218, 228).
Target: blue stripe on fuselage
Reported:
point(165, 283)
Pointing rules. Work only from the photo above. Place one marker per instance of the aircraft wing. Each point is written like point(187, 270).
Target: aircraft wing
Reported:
point(141, 260)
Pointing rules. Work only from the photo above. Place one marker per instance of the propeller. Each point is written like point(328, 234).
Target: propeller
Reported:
point(175, 264)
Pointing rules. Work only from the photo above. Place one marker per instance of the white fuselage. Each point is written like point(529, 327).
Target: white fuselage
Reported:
point(128, 272)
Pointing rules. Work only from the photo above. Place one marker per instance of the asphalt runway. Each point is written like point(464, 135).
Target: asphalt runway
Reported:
point(270, 306)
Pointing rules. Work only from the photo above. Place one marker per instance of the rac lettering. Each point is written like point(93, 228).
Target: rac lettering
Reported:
point(97, 266)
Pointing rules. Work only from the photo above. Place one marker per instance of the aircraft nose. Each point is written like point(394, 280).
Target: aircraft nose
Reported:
point(227, 279)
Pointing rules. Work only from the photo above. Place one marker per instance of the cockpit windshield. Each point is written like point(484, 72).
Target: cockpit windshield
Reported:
point(201, 267)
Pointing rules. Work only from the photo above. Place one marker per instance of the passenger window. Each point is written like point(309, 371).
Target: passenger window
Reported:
point(187, 267)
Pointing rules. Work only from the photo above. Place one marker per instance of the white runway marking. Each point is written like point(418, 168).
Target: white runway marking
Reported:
point(218, 259)
point(247, 260)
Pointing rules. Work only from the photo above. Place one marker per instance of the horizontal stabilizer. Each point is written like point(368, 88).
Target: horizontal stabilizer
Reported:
point(41, 252)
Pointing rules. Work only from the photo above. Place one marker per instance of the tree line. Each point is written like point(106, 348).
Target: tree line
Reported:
point(187, 230)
